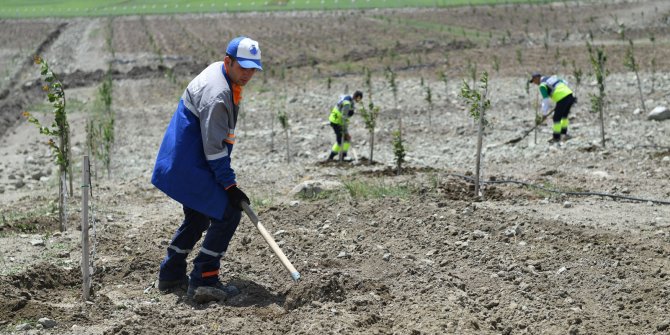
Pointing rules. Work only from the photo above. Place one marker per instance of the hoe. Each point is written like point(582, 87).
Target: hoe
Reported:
point(271, 242)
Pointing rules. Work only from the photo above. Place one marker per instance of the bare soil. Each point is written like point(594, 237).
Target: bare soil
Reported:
point(421, 254)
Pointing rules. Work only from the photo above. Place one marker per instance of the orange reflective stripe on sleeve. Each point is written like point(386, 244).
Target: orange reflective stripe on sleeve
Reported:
point(231, 137)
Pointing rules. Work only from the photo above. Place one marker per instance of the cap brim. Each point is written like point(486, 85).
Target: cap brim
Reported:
point(250, 64)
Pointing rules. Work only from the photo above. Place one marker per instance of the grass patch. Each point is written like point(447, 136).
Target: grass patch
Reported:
point(34, 220)
point(260, 203)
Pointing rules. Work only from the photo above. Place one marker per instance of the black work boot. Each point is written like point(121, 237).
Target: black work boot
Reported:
point(171, 285)
point(215, 292)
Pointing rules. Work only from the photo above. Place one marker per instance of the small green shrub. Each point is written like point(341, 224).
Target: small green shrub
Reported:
point(59, 129)
point(398, 150)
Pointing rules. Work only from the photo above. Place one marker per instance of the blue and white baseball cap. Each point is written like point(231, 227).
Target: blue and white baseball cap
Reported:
point(246, 52)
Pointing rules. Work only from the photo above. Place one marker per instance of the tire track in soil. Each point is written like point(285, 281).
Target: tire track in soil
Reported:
point(18, 96)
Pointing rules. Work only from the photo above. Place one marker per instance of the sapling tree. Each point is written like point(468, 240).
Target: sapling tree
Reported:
point(429, 100)
point(630, 63)
point(479, 103)
point(398, 150)
point(100, 121)
point(598, 59)
point(369, 116)
point(368, 83)
point(390, 76)
point(534, 106)
point(100, 125)
point(283, 120)
point(652, 38)
point(443, 78)
point(472, 71)
point(577, 73)
point(519, 57)
point(272, 125)
point(59, 129)
point(545, 42)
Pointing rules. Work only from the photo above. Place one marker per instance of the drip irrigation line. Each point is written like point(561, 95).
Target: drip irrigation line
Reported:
point(614, 196)
point(649, 146)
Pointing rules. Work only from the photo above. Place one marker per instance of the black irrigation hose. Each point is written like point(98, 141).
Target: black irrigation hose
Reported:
point(614, 196)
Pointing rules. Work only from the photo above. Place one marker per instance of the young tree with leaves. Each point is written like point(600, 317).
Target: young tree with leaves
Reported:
point(59, 129)
point(479, 103)
point(398, 150)
point(370, 119)
point(598, 60)
point(283, 121)
point(630, 63)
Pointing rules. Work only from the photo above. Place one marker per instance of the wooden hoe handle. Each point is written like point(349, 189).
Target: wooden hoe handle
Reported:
point(268, 238)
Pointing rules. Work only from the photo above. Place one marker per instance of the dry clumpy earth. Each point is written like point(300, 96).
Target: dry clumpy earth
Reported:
point(379, 252)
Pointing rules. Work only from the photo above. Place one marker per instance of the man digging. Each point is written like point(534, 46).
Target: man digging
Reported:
point(193, 167)
point(555, 89)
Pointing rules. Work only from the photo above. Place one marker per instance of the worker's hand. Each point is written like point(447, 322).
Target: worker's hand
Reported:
point(236, 196)
point(546, 106)
point(350, 113)
point(347, 137)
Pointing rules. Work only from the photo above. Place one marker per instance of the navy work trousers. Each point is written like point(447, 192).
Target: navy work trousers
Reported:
point(208, 261)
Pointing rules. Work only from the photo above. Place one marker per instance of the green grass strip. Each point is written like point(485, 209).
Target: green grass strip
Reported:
point(375, 190)
point(19, 9)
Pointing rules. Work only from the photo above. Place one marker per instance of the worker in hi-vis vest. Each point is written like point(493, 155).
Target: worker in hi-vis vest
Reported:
point(555, 89)
point(339, 120)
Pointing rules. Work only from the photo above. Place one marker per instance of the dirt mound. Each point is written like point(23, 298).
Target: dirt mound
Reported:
point(45, 277)
point(329, 287)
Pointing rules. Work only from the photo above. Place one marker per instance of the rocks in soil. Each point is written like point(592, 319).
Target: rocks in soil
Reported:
point(47, 323)
point(310, 188)
point(37, 242)
point(23, 327)
point(659, 113)
point(663, 326)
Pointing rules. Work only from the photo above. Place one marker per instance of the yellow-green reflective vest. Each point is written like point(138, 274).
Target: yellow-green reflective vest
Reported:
point(343, 106)
point(554, 88)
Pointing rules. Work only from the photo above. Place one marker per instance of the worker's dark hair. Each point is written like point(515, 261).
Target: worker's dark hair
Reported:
point(232, 58)
point(358, 94)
